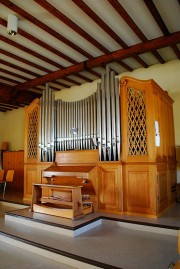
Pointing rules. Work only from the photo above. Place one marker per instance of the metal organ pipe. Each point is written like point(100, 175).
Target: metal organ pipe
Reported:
point(47, 125)
point(91, 123)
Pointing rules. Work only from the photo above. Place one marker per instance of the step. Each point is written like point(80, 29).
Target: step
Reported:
point(57, 252)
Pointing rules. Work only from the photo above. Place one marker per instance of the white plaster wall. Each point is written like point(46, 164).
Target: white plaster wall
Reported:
point(13, 128)
point(166, 75)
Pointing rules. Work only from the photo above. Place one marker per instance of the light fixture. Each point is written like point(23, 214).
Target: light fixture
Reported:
point(12, 25)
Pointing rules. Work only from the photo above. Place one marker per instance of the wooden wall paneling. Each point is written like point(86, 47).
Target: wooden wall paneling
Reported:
point(110, 187)
point(14, 160)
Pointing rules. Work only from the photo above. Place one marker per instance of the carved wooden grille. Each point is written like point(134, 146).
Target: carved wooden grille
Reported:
point(32, 134)
point(137, 131)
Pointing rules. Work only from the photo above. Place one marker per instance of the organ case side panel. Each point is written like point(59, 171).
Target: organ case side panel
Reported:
point(140, 189)
point(110, 187)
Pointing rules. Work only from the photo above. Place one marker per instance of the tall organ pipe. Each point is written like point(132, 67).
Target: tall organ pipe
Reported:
point(91, 123)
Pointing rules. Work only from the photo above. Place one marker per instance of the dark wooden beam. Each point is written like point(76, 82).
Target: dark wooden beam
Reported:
point(52, 76)
point(10, 96)
point(43, 26)
point(32, 73)
point(35, 65)
point(153, 10)
point(8, 105)
point(29, 51)
point(13, 74)
point(5, 108)
point(100, 22)
point(123, 64)
point(141, 48)
point(10, 79)
point(40, 43)
point(48, 47)
point(16, 67)
point(56, 13)
point(154, 44)
point(122, 12)
point(106, 28)
point(7, 79)
point(176, 51)
point(155, 13)
point(22, 60)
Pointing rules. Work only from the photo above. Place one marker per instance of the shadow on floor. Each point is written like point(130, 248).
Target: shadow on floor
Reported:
point(12, 195)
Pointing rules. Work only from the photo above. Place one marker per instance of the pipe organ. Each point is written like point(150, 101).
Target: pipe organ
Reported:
point(92, 123)
point(134, 172)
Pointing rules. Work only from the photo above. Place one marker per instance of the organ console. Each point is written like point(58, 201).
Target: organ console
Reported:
point(67, 190)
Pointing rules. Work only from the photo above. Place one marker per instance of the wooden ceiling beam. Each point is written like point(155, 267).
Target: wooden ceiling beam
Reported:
point(43, 26)
point(141, 48)
point(10, 96)
point(10, 79)
point(5, 108)
point(127, 67)
point(22, 60)
point(52, 32)
point(60, 16)
point(122, 12)
point(7, 79)
point(100, 22)
point(48, 47)
point(13, 74)
point(106, 28)
point(31, 73)
point(35, 65)
point(8, 105)
point(155, 13)
point(40, 43)
point(16, 67)
point(176, 51)
point(150, 45)
point(29, 51)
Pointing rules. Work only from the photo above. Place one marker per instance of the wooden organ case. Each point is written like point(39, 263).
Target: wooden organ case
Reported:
point(148, 147)
point(143, 178)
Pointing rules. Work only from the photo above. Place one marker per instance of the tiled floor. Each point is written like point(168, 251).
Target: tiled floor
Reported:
point(107, 244)
point(12, 257)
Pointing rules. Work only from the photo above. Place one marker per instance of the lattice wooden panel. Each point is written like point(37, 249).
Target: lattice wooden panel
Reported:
point(33, 133)
point(137, 131)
